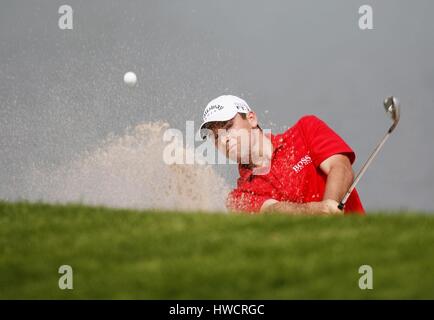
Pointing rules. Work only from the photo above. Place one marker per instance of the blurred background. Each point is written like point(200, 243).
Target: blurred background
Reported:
point(61, 91)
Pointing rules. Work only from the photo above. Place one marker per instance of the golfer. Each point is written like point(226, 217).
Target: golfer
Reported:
point(305, 170)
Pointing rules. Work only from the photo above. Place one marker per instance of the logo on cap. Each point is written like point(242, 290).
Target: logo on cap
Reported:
point(212, 108)
point(242, 107)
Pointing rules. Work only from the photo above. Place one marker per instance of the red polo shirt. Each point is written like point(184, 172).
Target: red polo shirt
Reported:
point(295, 175)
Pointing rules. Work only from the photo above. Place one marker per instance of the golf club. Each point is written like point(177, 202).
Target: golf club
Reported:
point(391, 104)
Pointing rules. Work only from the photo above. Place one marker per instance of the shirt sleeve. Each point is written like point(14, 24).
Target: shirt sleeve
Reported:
point(245, 201)
point(322, 141)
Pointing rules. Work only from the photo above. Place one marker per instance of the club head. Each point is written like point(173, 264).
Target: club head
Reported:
point(391, 104)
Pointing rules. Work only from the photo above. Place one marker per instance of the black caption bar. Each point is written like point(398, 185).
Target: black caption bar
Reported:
point(215, 309)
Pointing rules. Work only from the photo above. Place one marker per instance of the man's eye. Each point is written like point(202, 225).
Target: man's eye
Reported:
point(228, 126)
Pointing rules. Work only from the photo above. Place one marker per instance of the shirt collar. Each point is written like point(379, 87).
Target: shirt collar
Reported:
point(246, 172)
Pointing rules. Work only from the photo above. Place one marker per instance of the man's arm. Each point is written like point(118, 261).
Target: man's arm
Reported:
point(325, 207)
point(339, 178)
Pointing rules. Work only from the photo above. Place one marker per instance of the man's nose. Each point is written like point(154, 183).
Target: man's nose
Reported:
point(225, 139)
point(228, 141)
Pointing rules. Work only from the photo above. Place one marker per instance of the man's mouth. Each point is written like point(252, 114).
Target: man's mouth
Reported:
point(230, 148)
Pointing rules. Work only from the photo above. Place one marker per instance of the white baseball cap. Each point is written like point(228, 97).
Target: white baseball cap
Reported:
point(223, 108)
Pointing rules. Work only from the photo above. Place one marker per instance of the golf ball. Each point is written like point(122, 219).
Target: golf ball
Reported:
point(130, 78)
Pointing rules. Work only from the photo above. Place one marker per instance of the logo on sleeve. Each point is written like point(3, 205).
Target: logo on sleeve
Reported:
point(302, 163)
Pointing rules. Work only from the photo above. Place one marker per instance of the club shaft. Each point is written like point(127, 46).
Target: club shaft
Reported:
point(362, 171)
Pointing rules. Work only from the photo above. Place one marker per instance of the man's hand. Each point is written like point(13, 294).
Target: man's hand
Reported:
point(330, 207)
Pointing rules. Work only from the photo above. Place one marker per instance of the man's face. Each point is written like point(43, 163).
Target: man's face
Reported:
point(233, 138)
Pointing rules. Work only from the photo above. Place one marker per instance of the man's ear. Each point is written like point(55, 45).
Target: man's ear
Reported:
point(253, 120)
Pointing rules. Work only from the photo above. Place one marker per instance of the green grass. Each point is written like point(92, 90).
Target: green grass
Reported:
point(124, 254)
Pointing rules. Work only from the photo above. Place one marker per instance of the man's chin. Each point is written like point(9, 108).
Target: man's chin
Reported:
point(243, 160)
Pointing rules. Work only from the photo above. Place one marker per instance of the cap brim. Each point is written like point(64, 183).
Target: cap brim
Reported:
point(203, 131)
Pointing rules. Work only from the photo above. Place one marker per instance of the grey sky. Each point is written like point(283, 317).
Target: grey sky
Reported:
point(62, 91)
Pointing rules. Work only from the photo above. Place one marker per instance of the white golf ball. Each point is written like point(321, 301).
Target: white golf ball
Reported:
point(130, 78)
